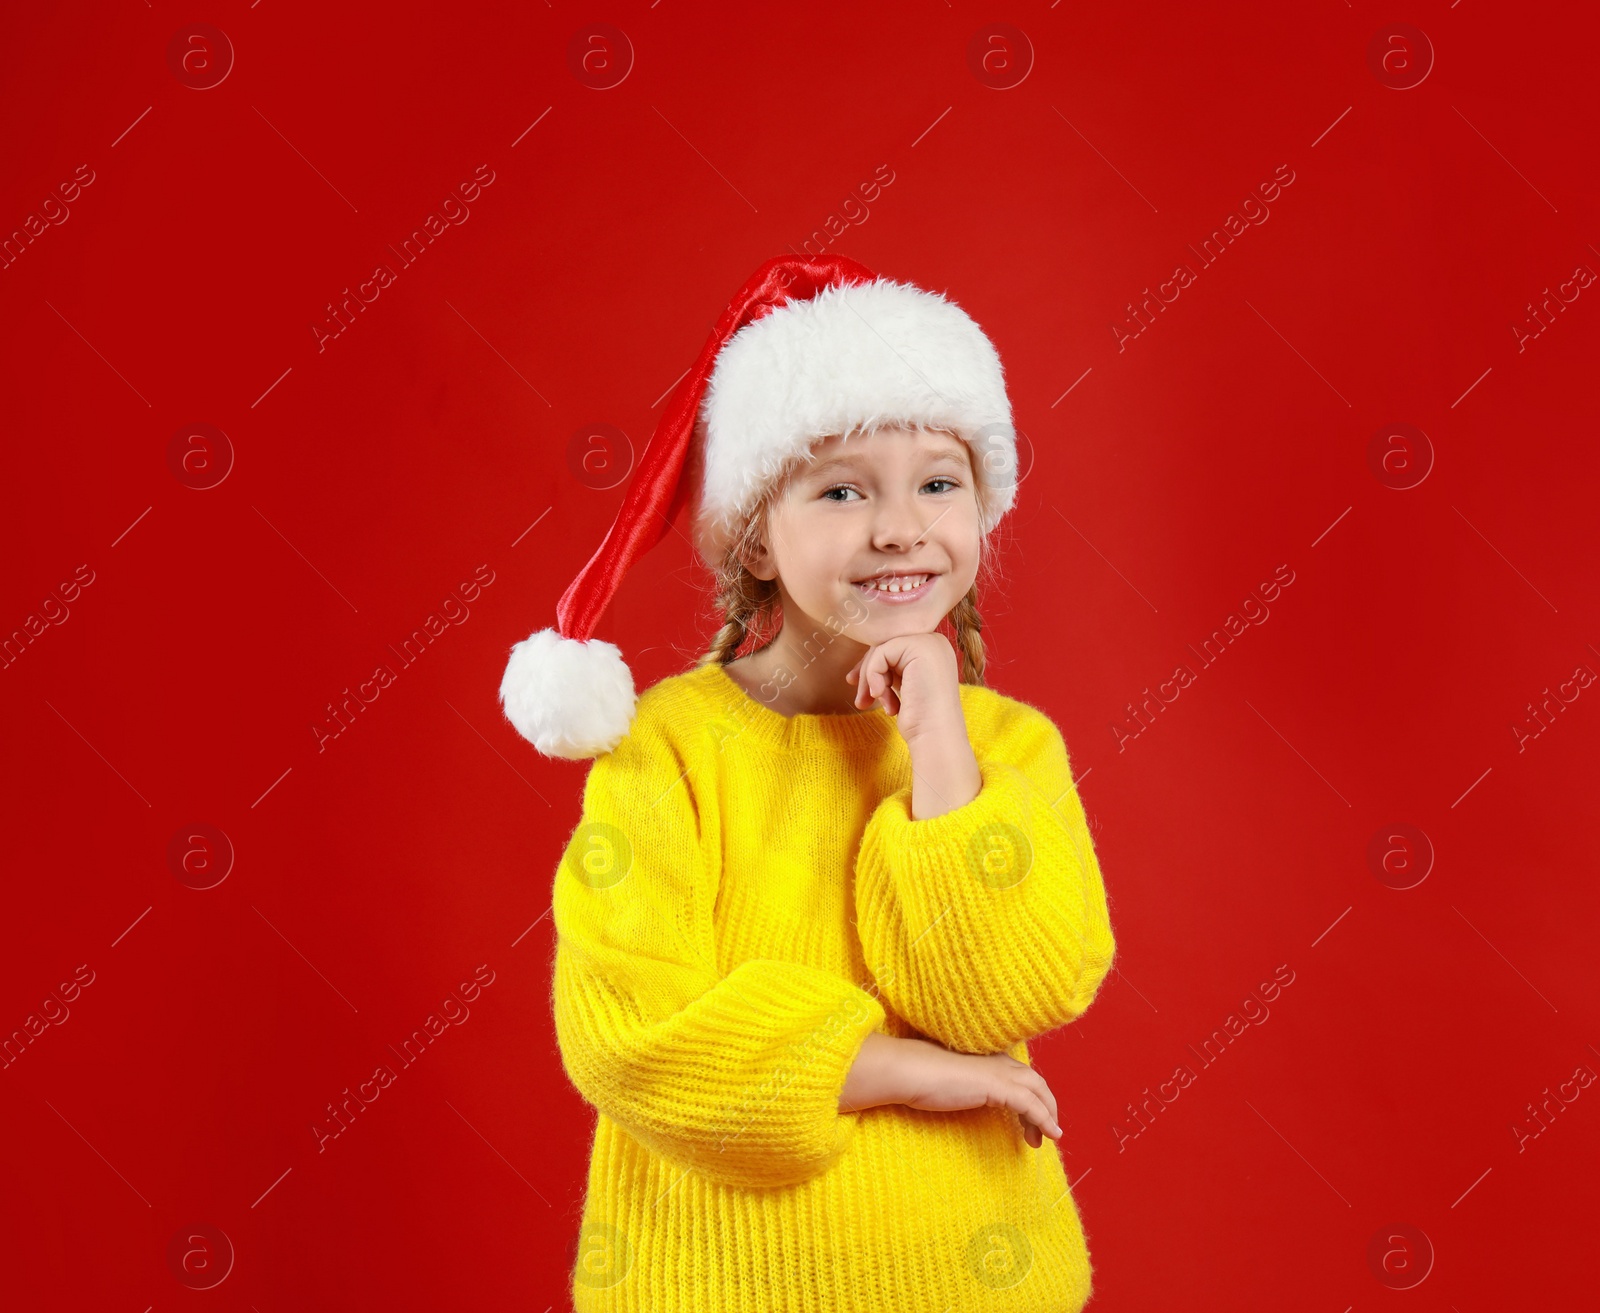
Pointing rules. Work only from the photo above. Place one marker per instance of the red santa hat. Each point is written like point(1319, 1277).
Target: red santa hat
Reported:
point(810, 347)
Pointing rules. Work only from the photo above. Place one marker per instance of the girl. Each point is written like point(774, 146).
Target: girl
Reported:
point(827, 884)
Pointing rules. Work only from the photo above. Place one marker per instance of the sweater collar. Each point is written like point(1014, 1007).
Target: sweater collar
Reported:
point(815, 729)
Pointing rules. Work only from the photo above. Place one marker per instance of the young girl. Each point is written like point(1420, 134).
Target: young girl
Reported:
point(827, 884)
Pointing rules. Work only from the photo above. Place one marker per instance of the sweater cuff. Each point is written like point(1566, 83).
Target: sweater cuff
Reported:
point(789, 1124)
point(989, 827)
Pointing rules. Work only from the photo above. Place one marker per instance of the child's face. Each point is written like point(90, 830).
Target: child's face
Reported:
point(898, 506)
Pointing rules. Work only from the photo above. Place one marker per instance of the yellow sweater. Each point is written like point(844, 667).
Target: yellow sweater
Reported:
point(747, 898)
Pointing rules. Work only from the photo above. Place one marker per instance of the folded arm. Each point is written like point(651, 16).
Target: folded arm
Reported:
point(736, 1077)
point(988, 925)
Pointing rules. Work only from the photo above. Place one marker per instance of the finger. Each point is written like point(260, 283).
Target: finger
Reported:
point(1030, 1133)
point(1042, 1117)
point(1050, 1102)
point(863, 679)
point(1019, 1098)
point(872, 676)
point(1038, 1084)
point(891, 688)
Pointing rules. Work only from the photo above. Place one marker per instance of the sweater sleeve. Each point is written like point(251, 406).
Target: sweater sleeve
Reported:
point(736, 1076)
point(988, 925)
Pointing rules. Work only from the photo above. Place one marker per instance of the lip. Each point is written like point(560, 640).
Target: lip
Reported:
point(897, 599)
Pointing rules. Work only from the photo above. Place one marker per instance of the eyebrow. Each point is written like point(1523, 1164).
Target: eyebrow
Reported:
point(849, 460)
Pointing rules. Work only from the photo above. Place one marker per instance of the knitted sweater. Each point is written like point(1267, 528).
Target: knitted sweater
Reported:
point(745, 899)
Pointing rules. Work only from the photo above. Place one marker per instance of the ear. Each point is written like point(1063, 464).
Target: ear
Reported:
point(758, 560)
point(753, 546)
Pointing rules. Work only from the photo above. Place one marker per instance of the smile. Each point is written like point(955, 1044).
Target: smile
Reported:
point(897, 588)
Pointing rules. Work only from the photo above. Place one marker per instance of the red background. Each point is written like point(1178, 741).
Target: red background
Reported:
point(372, 877)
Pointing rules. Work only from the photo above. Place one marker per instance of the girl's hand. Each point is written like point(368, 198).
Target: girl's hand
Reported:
point(944, 1081)
point(922, 1074)
point(917, 678)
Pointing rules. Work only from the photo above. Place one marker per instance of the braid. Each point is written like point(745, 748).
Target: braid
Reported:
point(968, 626)
point(730, 638)
point(747, 604)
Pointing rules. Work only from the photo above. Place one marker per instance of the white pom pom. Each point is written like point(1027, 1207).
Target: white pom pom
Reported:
point(567, 697)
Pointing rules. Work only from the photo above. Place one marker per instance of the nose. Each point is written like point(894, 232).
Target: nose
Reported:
point(897, 526)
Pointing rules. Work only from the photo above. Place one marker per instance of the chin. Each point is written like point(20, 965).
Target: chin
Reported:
point(882, 631)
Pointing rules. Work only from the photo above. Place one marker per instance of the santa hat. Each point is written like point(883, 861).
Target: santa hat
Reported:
point(810, 347)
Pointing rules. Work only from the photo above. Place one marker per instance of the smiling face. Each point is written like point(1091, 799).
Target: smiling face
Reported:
point(878, 536)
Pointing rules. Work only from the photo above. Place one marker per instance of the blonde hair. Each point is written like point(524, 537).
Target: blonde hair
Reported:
point(752, 614)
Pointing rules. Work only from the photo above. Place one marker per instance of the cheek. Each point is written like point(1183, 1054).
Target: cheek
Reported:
point(965, 538)
point(812, 557)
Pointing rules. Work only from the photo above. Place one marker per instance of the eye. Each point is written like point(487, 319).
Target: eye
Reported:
point(839, 487)
point(951, 483)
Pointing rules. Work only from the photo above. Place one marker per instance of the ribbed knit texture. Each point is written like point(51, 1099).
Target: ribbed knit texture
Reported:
point(747, 898)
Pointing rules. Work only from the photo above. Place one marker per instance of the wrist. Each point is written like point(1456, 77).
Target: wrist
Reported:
point(944, 775)
point(871, 1081)
point(942, 732)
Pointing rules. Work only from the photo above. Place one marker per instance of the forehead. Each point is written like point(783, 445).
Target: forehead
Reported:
point(839, 449)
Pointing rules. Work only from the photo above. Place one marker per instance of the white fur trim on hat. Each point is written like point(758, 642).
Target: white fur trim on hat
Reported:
point(568, 698)
point(854, 356)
